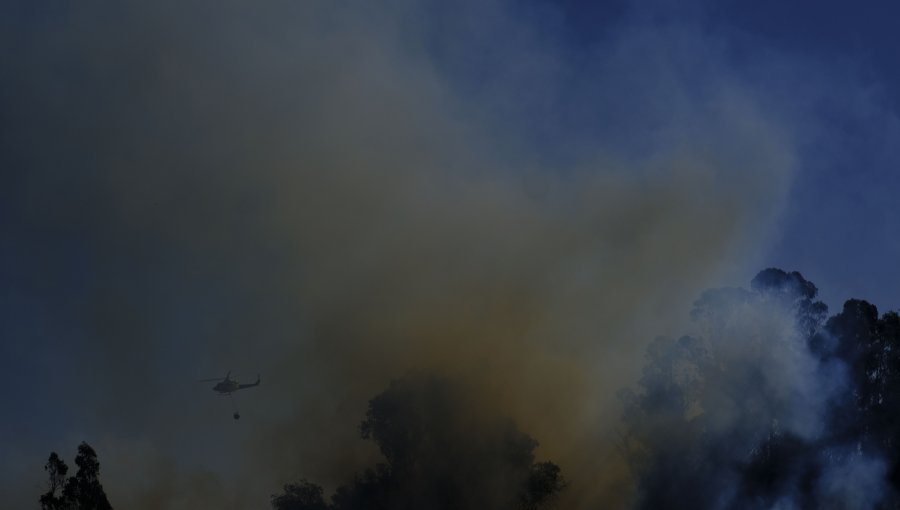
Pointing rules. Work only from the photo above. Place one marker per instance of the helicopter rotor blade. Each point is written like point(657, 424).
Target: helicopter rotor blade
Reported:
point(210, 380)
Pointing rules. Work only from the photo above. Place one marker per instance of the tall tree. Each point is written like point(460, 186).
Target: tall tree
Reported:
point(80, 492)
point(441, 452)
point(725, 417)
point(56, 469)
point(770, 405)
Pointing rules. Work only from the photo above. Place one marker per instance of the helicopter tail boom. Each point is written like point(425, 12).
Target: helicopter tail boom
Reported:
point(242, 386)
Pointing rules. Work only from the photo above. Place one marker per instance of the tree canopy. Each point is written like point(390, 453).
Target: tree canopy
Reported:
point(770, 404)
point(439, 454)
point(82, 491)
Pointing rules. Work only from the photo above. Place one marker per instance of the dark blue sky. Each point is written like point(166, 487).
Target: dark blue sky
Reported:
point(842, 218)
point(141, 148)
point(841, 228)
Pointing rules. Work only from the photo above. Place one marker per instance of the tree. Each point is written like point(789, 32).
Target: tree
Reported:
point(300, 496)
point(797, 293)
point(442, 452)
point(80, 492)
point(770, 405)
point(57, 470)
point(870, 347)
point(726, 417)
point(542, 485)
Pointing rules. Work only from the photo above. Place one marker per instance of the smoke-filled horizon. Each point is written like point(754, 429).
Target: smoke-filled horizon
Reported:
point(337, 195)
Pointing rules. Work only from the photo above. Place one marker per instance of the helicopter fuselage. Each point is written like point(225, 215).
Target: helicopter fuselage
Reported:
point(229, 386)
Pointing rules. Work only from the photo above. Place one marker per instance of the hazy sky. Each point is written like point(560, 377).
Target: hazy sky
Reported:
point(519, 194)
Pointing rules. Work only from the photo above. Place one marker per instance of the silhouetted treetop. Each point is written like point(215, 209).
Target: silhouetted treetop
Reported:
point(80, 492)
point(769, 405)
point(56, 469)
point(442, 452)
point(300, 496)
point(775, 280)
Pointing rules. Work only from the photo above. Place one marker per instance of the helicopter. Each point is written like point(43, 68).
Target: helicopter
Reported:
point(227, 386)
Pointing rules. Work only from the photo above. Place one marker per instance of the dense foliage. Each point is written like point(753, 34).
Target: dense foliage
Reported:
point(439, 454)
point(80, 492)
point(770, 405)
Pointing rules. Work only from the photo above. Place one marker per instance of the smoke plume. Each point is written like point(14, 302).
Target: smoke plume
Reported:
point(768, 405)
point(334, 195)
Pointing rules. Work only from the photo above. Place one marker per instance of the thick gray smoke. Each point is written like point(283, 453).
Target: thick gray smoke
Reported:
point(766, 405)
point(308, 190)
